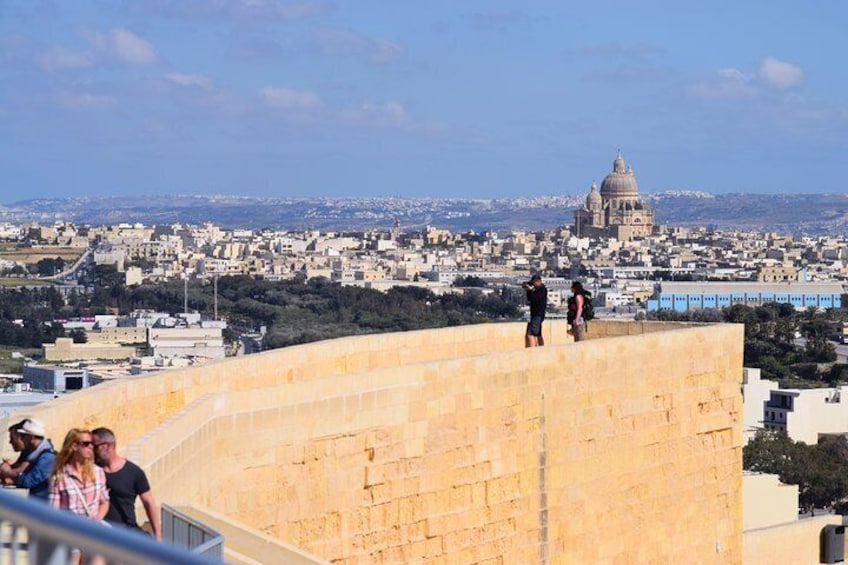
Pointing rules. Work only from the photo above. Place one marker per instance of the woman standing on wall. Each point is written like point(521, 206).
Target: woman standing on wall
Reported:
point(574, 316)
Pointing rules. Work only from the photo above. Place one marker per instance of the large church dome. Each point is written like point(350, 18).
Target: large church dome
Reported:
point(621, 182)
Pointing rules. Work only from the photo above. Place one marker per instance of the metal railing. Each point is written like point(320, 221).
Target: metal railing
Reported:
point(36, 534)
point(184, 531)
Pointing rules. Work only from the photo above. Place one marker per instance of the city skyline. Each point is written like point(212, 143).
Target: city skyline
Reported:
point(483, 100)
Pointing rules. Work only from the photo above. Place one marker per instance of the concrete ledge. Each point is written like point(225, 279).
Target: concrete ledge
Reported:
point(249, 544)
point(794, 542)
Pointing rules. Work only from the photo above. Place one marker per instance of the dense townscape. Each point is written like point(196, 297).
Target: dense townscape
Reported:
point(431, 257)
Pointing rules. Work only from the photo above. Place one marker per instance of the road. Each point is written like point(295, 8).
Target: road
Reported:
point(67, 273)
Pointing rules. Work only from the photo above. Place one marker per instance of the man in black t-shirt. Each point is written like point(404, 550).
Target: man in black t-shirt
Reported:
point(125, 481)
point(537, 296)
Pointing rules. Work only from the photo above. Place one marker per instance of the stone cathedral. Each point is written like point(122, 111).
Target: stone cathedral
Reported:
point(616, 211)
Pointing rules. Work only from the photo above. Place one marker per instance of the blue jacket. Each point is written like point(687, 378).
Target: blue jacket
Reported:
point(37, 476)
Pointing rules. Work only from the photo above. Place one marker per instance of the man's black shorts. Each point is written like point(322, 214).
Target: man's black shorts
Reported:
point(534, 326)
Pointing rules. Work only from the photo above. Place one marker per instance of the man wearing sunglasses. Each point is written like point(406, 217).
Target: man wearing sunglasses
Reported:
point(125, 481)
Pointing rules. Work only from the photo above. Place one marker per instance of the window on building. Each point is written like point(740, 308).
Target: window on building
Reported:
point(73, 383)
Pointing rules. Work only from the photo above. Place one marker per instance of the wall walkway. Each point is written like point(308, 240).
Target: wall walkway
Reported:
point(454, 445)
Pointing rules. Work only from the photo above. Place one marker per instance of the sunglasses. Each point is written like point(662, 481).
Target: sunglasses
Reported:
point(86, 443)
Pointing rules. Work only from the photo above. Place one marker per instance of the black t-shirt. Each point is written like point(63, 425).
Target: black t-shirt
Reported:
point(124, 486)
point(538, 298)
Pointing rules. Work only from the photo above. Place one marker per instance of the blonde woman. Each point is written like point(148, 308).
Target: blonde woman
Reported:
point(77, 484)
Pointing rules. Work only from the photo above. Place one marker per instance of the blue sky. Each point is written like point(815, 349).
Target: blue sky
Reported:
point(438, 98)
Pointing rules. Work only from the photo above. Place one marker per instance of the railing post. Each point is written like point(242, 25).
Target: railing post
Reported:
point(52, 537)
point(42, 551)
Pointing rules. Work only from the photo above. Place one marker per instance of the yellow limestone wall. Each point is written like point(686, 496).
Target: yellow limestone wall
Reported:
point(455, 445)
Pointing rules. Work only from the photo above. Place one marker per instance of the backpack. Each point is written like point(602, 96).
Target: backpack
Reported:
point(588, 308)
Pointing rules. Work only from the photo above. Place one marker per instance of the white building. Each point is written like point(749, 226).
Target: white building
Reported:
point(190, 342)
point(10, 231)
point(55, 378)
point(805, 414)
point(756, 392)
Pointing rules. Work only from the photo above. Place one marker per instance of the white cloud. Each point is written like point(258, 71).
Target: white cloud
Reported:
point(344, 42)
point(288, 99)
point(60, 59)
point(780, 74)
point(389, 115)
point(122, 45)
point(132, 49)
point(262, 10)
point(118, 44)
point(188, 80)
point(489, 21)
point(617, 51)
point(306, 108)
point(86, 101)
point(727, 83)
point(734, 75)
point(734, 83)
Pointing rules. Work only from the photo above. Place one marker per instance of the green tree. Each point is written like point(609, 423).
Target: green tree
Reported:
point(819, 470)
point(838, 374)
point(817, 348)
point(49, 267)
point(79, 335)
point(470, 280)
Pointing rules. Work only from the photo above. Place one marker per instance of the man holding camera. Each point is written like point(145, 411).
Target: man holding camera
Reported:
point(537, 296)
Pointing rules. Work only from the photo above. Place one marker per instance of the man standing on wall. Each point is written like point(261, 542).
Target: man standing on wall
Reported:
point(537, 296)
point(125, 481)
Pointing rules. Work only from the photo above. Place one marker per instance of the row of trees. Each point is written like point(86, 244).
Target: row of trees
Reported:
point(297, 312)
point(45, 267)
point(26, 316)
point(771, 331)
point(292, 311)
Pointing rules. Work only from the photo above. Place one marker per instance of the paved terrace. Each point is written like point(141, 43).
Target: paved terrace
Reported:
point(451, 446)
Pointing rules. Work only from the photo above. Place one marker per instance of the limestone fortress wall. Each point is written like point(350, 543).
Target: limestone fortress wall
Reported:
point(454, 445)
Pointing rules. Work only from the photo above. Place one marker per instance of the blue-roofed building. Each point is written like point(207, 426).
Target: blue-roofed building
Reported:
point(683, 296)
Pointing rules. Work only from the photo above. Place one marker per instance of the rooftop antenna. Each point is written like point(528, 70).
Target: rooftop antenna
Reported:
point(396, 229)
point(395, 253)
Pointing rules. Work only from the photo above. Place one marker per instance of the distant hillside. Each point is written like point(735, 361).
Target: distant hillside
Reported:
point(785, 213)
point(814, 214)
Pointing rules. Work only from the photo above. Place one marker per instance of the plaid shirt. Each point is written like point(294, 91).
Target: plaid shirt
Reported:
point(68, 492)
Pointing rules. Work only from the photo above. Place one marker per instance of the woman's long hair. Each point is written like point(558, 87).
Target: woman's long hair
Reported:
point(64, 457)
